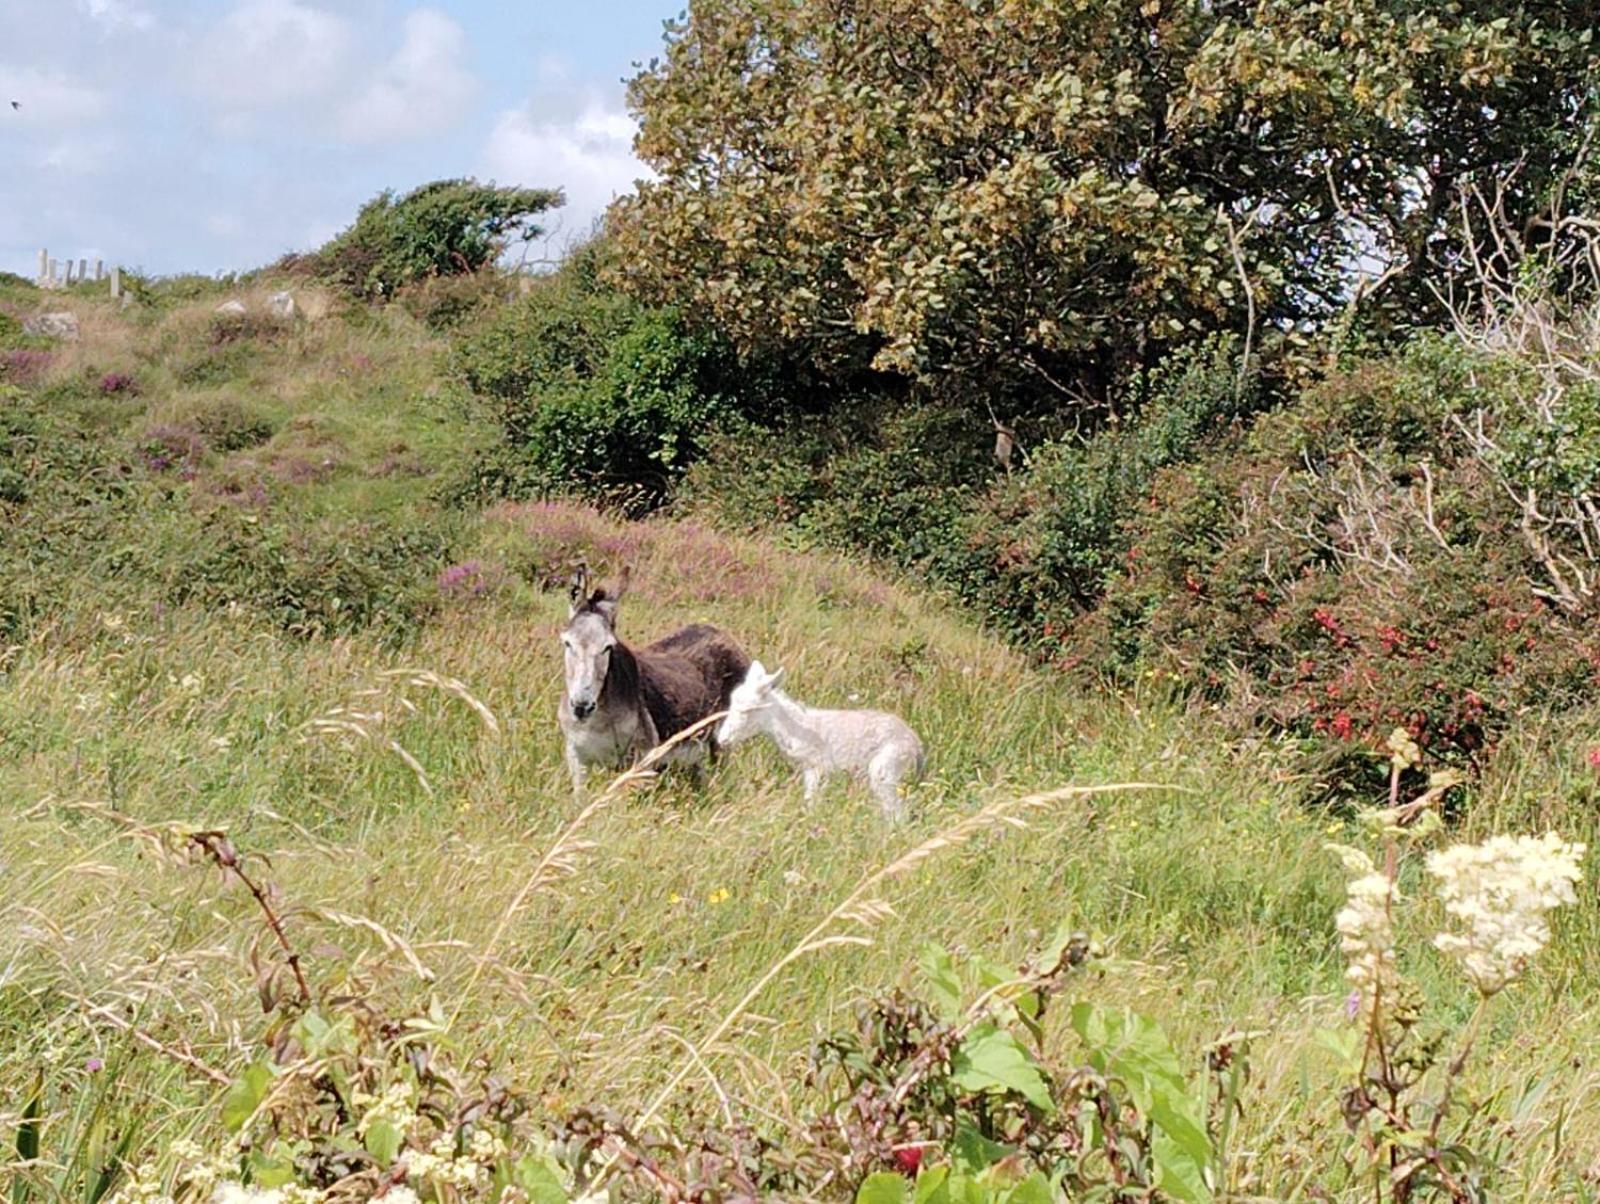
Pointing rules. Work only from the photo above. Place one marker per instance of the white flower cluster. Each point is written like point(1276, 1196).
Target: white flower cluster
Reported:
point(196, 1168)
point(471, 1169)
point(1366, 934)
point(143, 1186)
point(396, 1106)
point(1501, 890)
point(232, 1192)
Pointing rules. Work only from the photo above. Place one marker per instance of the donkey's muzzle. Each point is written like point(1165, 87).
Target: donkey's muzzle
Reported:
point(582, 710)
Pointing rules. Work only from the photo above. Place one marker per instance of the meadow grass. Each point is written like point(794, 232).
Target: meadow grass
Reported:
point(399, 789)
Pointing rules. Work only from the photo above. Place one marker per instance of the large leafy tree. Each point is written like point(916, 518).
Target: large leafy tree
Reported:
point(1056, 190)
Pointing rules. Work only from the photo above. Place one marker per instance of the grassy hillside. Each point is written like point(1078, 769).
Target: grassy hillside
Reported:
point(246, 610)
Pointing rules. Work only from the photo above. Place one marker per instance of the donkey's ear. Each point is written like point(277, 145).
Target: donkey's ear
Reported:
point(756, 672)
point(605, 601)
point(622, 583)
point(775, 678)
point(579, 591)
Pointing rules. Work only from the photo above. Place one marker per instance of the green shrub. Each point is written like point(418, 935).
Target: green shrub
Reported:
point(331, 578)
point(1039, 547)
point(599, 395)
point(229, 424)
point(448, 227)
point(559, 335)
point(1347, 568)
point(444, 303)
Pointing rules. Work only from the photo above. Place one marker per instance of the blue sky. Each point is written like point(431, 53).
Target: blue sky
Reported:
point(205, 135)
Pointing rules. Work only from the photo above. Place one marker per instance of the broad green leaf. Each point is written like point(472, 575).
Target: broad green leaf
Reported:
point(883, 1187)
point(990, 1059)
point(1132, 1048)
point(383, 1141)
point(975, 1152)
point(944, 984)
point(932, 1186)
point(270, 1172)
point(540, 1180)
point(244, 1096)
point(1035, 1189)
point(1177, 1173)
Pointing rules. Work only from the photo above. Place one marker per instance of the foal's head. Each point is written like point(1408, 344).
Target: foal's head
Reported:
point(588, 640)
point(749, 699)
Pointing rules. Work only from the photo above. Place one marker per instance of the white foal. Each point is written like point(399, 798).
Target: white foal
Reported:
point(870, 744)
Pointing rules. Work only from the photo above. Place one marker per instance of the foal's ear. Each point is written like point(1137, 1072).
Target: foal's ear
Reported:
point(775, 678)
point(579, 591)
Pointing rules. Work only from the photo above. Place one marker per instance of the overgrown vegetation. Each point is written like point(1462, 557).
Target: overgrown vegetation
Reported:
point(1055, 315)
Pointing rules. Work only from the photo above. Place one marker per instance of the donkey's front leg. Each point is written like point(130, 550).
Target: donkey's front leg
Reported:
point(578, 770)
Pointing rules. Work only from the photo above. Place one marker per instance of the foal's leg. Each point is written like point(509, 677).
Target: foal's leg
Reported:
point(885, 773)
point(813, 783)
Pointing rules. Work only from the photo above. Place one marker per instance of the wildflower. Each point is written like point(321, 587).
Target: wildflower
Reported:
point(230, 1191)
point(440, 1164)
point(197, 1169)
point(908, 1159)
point(720, 895)
point(1501, 890)
point(674, 898)
point(393, 1107)
point(143, 1187)
point(1594, 757)
point(1404, 752)
point(485, 1148)
point(94, 1065)
point(1365, 932)
point(400, 1194)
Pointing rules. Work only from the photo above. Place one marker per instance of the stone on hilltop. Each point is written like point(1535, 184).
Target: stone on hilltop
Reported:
point(57, 325)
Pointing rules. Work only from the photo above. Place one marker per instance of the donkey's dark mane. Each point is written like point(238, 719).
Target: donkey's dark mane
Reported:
point(621, 686)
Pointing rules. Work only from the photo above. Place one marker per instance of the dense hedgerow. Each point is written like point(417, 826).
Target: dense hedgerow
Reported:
point(1352, 565)
point(916, 484)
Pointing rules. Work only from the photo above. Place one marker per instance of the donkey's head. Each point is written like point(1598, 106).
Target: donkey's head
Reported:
point(588, 640)
point(746, 705)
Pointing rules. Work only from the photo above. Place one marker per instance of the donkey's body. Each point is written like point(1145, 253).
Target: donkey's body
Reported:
point(621, 702)
point(873, 745)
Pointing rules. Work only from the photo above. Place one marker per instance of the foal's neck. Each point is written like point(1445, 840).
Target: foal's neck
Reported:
point(790, 724)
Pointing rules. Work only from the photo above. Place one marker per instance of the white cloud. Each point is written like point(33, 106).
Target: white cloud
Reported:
point(49, 101)
point(117, 14)
point(424, 88)
point(80, 156)
point(590, 157)
point(269, 53)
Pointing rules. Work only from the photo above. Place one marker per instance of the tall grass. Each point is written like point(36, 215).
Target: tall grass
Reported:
point(406, 796)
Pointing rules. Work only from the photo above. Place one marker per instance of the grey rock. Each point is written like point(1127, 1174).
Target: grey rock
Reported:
point(57, 325)
point(231, 307)
point(281, 305)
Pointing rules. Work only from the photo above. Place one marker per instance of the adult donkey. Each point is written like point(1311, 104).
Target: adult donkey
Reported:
point(621, 702)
